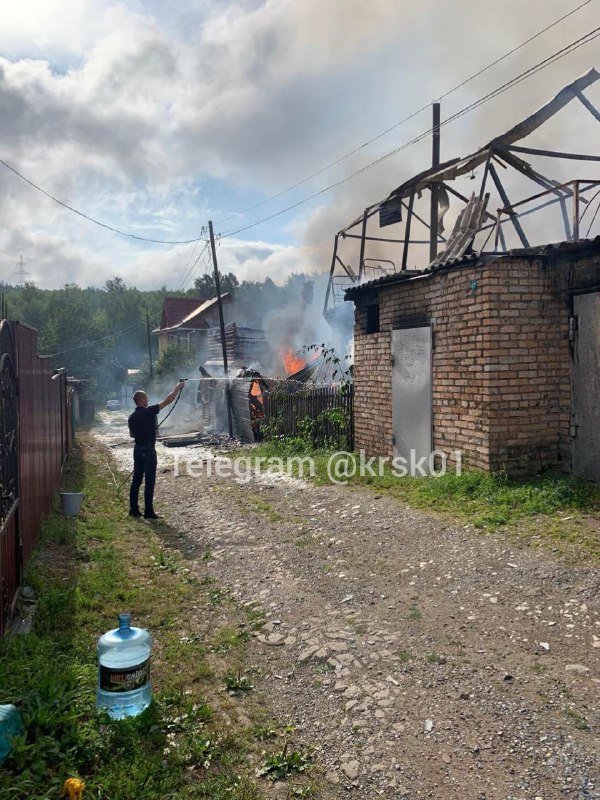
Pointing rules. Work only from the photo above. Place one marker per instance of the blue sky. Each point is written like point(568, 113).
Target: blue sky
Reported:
point(155, 117)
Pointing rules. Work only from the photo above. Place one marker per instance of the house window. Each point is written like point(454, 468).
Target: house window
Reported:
point(372, 321)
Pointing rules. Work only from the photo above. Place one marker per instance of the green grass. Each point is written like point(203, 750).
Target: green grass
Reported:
point(262, 507)
point(189, 743)
point(535, 507)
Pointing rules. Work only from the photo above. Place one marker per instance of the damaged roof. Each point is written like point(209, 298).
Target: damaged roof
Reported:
point(477, 259)
point(186, 312)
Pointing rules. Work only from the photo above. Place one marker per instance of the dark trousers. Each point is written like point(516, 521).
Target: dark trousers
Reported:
point(144, 467)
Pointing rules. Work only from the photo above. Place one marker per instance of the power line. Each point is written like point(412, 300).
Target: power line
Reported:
point(192, 255)
point(91, 219)
point(405, 119)
point(575, 45)
point(190, 271)
point(97, 341)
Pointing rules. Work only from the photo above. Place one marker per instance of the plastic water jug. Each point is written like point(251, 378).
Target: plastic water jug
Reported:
point(124, 688)
point(10, 725)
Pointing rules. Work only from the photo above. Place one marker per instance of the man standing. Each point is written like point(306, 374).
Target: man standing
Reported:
point(142, 427)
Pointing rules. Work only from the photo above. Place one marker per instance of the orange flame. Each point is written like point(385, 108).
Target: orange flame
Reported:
point(292, 361)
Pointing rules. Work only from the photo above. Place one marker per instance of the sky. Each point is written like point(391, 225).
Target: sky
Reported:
point(154, 117)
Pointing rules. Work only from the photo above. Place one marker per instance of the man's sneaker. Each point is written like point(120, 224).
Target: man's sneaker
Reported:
point(135, 512)
point(151, 515)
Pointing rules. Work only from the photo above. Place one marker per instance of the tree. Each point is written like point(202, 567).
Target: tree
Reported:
point(205, 288)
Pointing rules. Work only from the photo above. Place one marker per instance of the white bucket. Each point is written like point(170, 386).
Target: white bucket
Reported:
point(70, 503)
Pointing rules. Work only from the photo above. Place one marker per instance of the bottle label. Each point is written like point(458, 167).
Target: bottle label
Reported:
point(125, 679)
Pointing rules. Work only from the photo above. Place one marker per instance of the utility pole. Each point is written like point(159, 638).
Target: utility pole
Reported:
point(222, 326)
point(149, 346)
point(21, 272)
point(435, 162)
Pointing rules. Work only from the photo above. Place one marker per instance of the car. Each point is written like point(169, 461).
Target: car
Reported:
point(113, 405)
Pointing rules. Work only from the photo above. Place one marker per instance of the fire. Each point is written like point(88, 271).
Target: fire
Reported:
point(292, 361)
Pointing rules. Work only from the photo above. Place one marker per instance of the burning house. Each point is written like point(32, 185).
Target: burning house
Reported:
point(492, 346)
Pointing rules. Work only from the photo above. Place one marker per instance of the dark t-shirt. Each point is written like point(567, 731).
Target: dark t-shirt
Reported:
point(142, 424)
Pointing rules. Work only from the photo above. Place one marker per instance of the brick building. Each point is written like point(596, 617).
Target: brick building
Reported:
point(496, 356)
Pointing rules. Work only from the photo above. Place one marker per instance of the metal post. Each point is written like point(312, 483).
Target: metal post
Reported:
point(362, 245)
point(331, 271)
point(435, 162)
point(409, 216)
point(575, 210)
point(149, 347)
point(222, 326)
point(507, 206)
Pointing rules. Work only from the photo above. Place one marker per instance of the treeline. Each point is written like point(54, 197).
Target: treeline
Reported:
point(99, 333)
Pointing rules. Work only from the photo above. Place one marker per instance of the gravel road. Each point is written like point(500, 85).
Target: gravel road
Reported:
point(422, 660)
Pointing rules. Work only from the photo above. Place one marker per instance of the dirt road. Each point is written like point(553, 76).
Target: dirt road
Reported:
point(422, 660)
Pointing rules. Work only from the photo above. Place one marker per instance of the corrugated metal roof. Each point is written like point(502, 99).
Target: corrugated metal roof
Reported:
point(175, 309)
point(552, 248)
point(544, 250)
point(194, 319)
point(465, 229)
point(186, 312)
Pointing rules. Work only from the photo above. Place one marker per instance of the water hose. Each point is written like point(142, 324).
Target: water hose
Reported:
point(123, 482)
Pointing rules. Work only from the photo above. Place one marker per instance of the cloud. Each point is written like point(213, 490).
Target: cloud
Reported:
point(152, 118)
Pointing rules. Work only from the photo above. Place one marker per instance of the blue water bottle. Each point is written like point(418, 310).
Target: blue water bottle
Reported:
point(124, 688)
point(10, 725)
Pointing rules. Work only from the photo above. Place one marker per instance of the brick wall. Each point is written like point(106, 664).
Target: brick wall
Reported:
point(501, 385)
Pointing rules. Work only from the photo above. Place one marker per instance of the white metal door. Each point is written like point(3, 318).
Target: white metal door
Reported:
point(411, 392)
point(586, 387)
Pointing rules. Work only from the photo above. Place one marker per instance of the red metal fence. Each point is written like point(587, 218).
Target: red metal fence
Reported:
point(33, 445)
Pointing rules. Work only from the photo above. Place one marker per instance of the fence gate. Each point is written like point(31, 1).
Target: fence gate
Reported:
point(9, 476)
point(586, 387)
point(411, 392)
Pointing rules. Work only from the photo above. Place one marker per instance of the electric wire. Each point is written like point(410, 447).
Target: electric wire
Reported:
point(567, 50)
point(91, 219)
point(98, 341)
point(190, 271)
point(532, 71)
point(405, 119)
point(192, 256)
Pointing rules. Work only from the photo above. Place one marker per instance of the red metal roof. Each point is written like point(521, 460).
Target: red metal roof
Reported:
point(176, 309)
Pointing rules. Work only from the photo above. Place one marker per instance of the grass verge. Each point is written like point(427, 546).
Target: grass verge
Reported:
point(554, 507)
point(196, 740)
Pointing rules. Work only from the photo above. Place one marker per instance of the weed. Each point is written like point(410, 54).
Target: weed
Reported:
point(216, 597)
point(357, 626)
point(237, 682)
point(227, 638)
point(303, 791)
point(435, 658)
point(404, 656)
point(414, 613)
point(325, 667)
point(304, 541)
point(578, 720)
point(281, 764)
point(256, 618)
point(264, 732)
